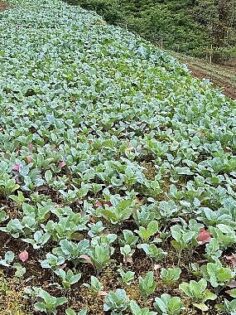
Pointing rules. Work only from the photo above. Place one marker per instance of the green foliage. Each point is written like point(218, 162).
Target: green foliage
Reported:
point(229, 307)
point(20, 270)
point(126, 252)
point(170, 275)
point(39, 239)
point(147, 284)
point(184, 26)
point(116, 302)
point(198, 292)
point(100, 256)
point(152, 251)
point(146, 232)
point(155, 21)
point(137, 310)
point(46, 302)
point(129, 238)
point(70, 311)
point(168, 305)
point(126, 276)
point(182, 238)
point(8, 259)
point(19, 199)
point(118, 213)
point(95, 285)
point(71, 250)
point(7, 185)
point(109, 150)
point(52, 261)
point(3, 216)
point(213, 251)
point(216, 274)
point(68, 278)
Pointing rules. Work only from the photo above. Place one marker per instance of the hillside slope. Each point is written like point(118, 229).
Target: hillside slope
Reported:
point(116, 166)
point(198, 28)
point(184, 29)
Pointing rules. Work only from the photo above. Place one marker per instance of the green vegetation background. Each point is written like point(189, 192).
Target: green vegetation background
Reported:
point(186, 26)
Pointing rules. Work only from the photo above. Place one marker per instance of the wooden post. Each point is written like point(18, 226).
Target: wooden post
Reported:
point(211, 52)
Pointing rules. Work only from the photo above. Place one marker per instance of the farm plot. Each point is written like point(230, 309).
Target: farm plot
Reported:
point(117, 172)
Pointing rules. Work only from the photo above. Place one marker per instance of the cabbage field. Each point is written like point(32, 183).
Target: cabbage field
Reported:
point(117, 172)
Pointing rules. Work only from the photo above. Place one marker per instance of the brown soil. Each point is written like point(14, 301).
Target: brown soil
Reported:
point(3, 6)
point(228, 88)
point(223, 76)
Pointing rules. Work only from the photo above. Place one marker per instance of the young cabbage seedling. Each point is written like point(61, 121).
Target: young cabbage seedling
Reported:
point(224, 234)
point(19, 198)
point(116, 302)
point(68, 278)
point(71, 250)
point(129, 238)
point(170, 275)
point(95, 229)
point(216, 274)
point(198, 292)
point(127, 253)
point(3, 216)
point(229, 307)
point(152, 251)
point(46, 302)
point(39, 239)
point(69, 196)
point(137, 310)
point(100, 256)
point(118, 213)
point(212, 250)
point(52, 261)
point(14, 227)
point(126, 277)
point(145, 215)
point(210, 217)
point(8, 259)
point(70, 311)
point(149, 231)
point(7, 185)
point(182, 238)
point(95, 285)
point(20, 270)
point(147, 285)
point(168, 305)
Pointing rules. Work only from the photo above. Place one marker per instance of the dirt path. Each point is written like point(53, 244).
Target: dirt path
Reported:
point(229, 88)
point(223, 77)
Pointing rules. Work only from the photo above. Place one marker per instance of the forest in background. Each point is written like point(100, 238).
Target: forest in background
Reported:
point(200, 28)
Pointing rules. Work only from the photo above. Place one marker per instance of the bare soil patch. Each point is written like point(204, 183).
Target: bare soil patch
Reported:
point(222, 76)
point(228, 87)
point(3, 6)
